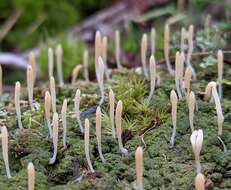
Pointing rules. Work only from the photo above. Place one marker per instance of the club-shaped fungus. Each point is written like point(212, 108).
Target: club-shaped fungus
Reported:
point(17, 92)
point(153, 41)
point(98, 51)
point(174, 100)
point(181, 73)
point(104, 55)
point(139, 168)
point(59, 57)
point(0, 80)
point(178, 73)
point(64, 122)
point(152, 70)
point(144, 47)
point(167, 48)
point(77, 109)
point(191, 106)
point(86, 145)
point(48, 112)
point(85, 65)
point(197, 141)
point(182, 39)
point(55, 123)
point(4, 137)
point(118, 120)
point(100, 79)
point(75, 73)
point(112, 111)
point(187, 81)
point(31, 176)
point(30, 85)
point(98, 125)
point(117, 49)
point(53, 94)
point(220, 72)
point(32, 63)
point(200, 182)
point(50, 62)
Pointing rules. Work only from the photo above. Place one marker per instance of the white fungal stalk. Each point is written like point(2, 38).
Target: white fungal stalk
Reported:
point(152, 69)
point(112, 111)
point(55, 123)
point(220, 72)
point(85, 65)
point(174, 100)
point(4, 137)
point(86, 145)
point(53, 94)
point(98, 124)
point(100, 79)
point(75, 73)
point(64, 122)
point(187, 81)
point(32, 63)
point(1, 80)
point(197, 141)
point(181, 73)
point(30, 85)
point(118, 118)
point(48, 112)
point(144, 47)
point(117, 49)
point(200, 182)
point(98, 51)
point(31, 176)
point(50, 62)
point(178, 73)
point(59, 57)
point(153, 41)
point(104, 56)
point(139, 168)
point(17, 92)
point(77, 109)
point(191, 106)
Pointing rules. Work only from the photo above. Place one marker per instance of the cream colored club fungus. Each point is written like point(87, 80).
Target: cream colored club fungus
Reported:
point(47, 106)
point(220, 71)
point(75, 73)
point(187, 81)
point(174, 100)
point(31, 176)
point(178, 73)
point(200, 182)
point(104, 55)
point(32, 63)
point(98, 51)
point(55, 123)
point(144, 47)
point(153, 41)
point(85, 65)
point(181, 73)
point(191, 105)
point(30, 85)
point(139, 168)
point(118, 120)
point(112, 111)
point(64, 122)
point(17, 92)
point(0, 80)
point(50, 62)
point(152, 69)
point(197, 141)
point(59, 57)
point(77, 109)
point(100, 79)
point(117, 49)
point(86, 145)
point(4, 137)
point(98, 125)
point(53, 94)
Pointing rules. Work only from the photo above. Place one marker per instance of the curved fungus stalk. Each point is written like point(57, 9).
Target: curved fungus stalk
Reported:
point(50, 62)
point(59, 57)
point(178, 73)
point(182, 39)
point(4, 137)
point(153, 41)
point(31, 176)
point(100, 79)
point(200, 182)
point(152, 69)
point(77, 109)
point(144, 47)
point(47, 106)
point(197, 141)
point(174, 100)
point(187, 81)
point(104, 56)
point(75, 73)
point(139, 168)
point(112, 111)
point(55, 123)
point(98, 124)
point(32, 63)
point(220, 72)
point(64, 122)
point(117, 49)
point(30, 85)
point(86, 145)
point(85, 65)
point(191, 106)
point(1, 80)
point(17, 92)
point(53, 94)
point(118, 118)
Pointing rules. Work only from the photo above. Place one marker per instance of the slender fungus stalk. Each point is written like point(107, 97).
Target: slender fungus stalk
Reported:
point(98, 51)
point(30, 85)
point(139, 168)
point(117, 50)
point(167, 48)
point(50, 62)
point(4, 137)
point(220, 72)
point(182, 39)
point(0, 80)
point(31, 176)
point(59, 55)
point(191, 105)
point(104, 55)
point(197, 141)
point(85, 65)
point(153, 41)
point(178, 73)
point(17, 92)
point(152, 68)
point(77, 110)
point(86, 145)
point(118, 119)
point(174, 100)
point(53, 94)
point(64, 122)
point(75, 73)
point(144, 47)
point(200, 182)
point(187, 81)
point(32, 63)
point(181, 73)
point(100, 80)
point(98, 124)
point(55, 123)
point(48, 111)
point(112, 111)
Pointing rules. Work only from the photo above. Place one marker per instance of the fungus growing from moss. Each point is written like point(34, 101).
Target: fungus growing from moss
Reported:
point(187, 81)
point(55, 123)
point(64, 122)
point(197, 141)
point(30, 85)
point(100, 79)
point(174, 100)
point(117, 49)
point(178, 74)
point(32, 63)
point(153, 41)
point(85, 65)
point(4, 137)
point(75, 73)
point(181, 73)
point(98, 51)
point(200, 182)
point(144, 47)
point(31, 176)
point(139, 168)
point(86, 145)
point(112, 111)
point(48, 112)
point(191, 106)
point(77, 110)
point(152, 69)
point(118, 119)
point(220, 72)
point(53, 94)
point(50, 62)
point(104, 56)
point(17, 92)
point(59, 57)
